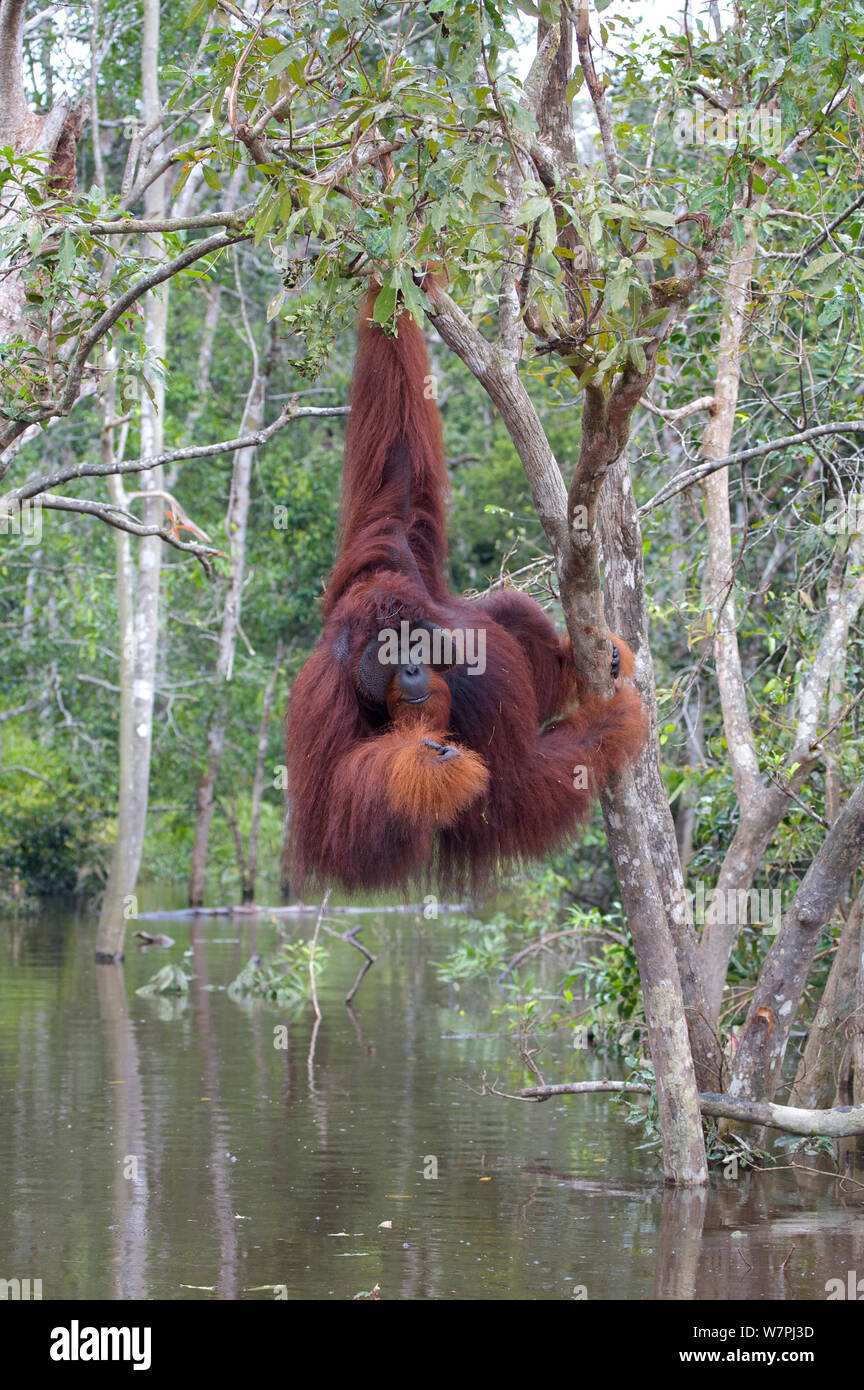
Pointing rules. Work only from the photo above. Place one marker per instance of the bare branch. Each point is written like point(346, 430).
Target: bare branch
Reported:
point(788, 441)
point(122, 521)
point(839, 1122)
point(583, 1088)
point(364, 152)
point(36, 487)
point(598, 96)
point(224, 217)
point(19, 709)
point(832, 227)
point(681, 412)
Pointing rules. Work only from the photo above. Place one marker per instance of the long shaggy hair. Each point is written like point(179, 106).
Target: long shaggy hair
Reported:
point(498, 767)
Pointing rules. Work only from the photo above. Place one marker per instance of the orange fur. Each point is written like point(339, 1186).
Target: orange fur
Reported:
point(432, 782)
point(431, 779)
point(627, 664)
point(495, 766)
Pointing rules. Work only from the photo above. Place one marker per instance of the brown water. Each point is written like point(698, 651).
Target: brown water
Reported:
point(154, 1148)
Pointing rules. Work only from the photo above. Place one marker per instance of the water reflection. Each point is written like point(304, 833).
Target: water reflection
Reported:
point(175, 1148)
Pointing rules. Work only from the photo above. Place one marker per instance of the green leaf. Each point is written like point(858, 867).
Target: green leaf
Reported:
point(637, 356)
point(656, 316)
point(384, 304)
point(821, 263)
point(574, 84)
point(183, 176)
point(265, 221)
point(398, 234)
point(66, 258)
point(548, 229)
point(280, 62)
point(532, 209)
point(34, 236)
point(658, 216)
point(411, 295)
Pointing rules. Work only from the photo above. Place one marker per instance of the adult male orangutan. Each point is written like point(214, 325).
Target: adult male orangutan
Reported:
point(431, 735)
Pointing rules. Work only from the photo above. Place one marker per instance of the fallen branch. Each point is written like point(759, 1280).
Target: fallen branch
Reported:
point(350, 937)
point(840, 1122)
point(580, 1088)
point(295, 910)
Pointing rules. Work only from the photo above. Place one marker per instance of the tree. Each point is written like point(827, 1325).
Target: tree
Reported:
point(637, 241)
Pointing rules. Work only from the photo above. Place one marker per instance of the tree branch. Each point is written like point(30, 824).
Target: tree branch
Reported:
point(598, 97)
point(225, 217)
point(681, 412)
point(193, 451)
point(106, 321)
point(122, 521)
point(702, 470)
point(500, 379)
point(842, 1121)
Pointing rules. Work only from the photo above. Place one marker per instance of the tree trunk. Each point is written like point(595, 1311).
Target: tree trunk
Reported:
point(761, 804)
point(621, 538)
point(858, 1037)
point(773, 1009)
point(258, 782)
point(54, 133)
point(285, 860)
point(668, 1042)
point(139, 615)
point(233, 824)
point(827, 1059)
point(745, 855)
point(236, 523)
point(604, 436)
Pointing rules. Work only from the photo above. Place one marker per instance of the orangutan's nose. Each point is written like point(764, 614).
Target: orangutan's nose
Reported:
point(413, 682)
